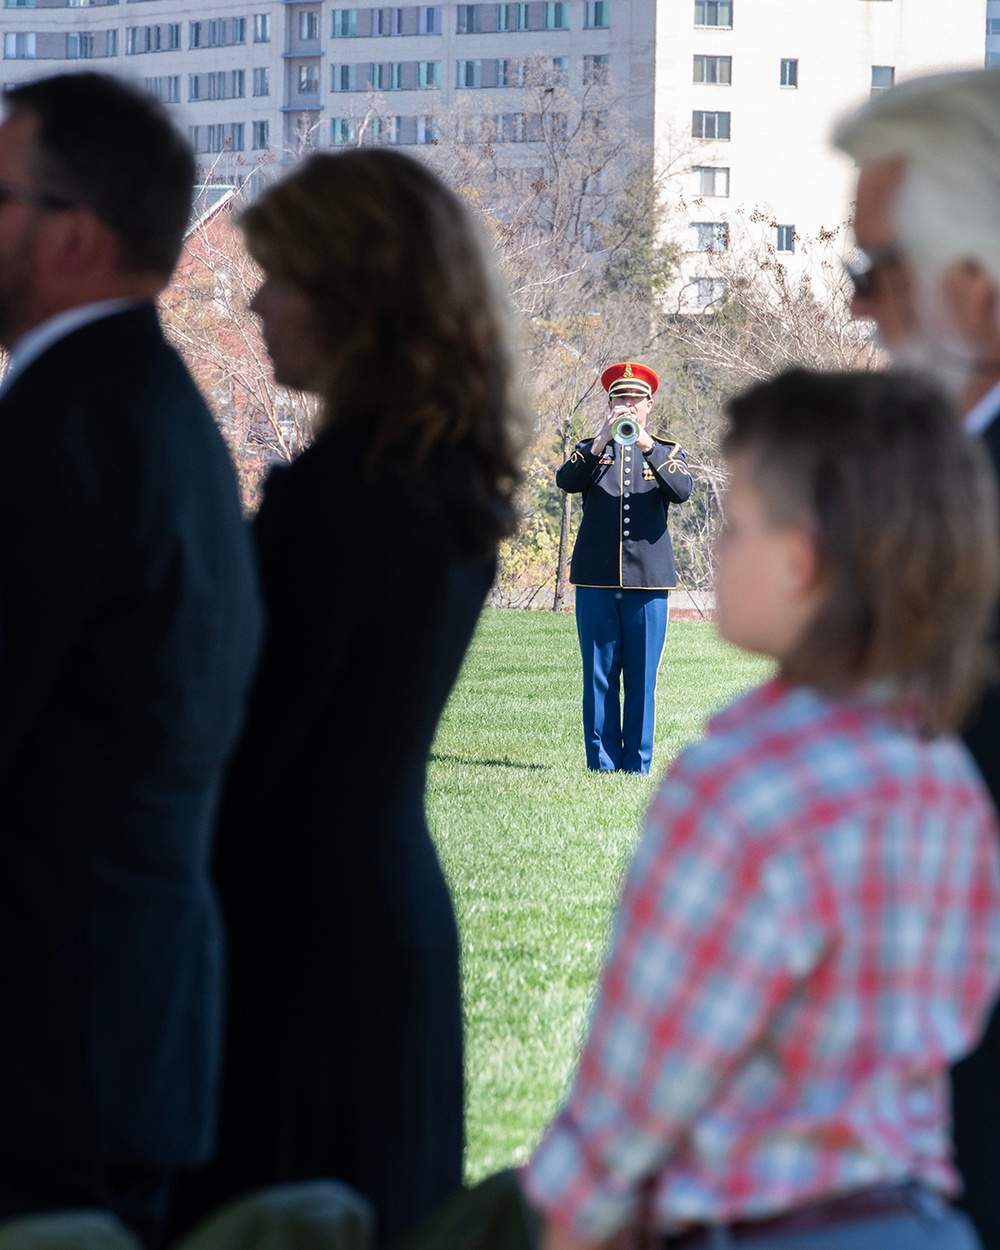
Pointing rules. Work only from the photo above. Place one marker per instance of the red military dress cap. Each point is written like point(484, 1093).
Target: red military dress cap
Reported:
point(629, 378)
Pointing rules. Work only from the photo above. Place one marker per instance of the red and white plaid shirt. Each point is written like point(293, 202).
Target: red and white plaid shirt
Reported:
point(809, 935)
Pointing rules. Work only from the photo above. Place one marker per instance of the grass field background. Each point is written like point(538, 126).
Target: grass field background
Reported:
point(534, 847)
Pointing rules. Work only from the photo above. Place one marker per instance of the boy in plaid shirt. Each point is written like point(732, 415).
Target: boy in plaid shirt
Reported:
point(809, 933)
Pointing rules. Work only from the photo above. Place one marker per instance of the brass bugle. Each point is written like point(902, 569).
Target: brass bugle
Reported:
point(625, 431)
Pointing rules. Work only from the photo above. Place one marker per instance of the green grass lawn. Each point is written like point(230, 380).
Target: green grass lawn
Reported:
point(534, 846)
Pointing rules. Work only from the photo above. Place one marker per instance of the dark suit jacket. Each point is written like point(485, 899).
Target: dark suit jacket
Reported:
point(976, 1080)
point(128, 631)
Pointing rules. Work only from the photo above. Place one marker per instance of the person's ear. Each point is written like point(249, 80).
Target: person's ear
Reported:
point(972, 294)
point(79, 242)
point(802, 567)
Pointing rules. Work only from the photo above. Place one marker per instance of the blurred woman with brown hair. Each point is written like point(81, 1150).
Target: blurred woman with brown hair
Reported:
point(377, 549)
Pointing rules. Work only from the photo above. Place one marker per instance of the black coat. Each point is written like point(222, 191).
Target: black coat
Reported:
point(976, 1079)
point(128, 629)
point(623, 538)
point(344, 1055)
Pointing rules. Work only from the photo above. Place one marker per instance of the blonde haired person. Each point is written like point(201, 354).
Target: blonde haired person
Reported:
point(927, 221)
point(377, 549)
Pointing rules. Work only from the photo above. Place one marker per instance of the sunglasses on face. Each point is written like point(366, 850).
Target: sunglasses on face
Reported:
point(10, 194)
point(864, 271)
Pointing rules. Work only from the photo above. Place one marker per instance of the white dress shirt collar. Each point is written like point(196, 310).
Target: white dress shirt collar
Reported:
point(983, 414)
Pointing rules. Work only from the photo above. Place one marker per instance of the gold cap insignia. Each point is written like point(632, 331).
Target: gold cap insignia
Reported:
point(628, 372)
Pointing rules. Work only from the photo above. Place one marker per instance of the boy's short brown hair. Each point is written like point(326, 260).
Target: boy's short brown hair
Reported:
point(902, 505)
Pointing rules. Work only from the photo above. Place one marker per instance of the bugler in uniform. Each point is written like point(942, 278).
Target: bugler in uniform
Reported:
point(623, 569)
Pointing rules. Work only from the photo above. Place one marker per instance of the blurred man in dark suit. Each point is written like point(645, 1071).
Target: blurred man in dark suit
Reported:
point(128, 631)
point(927, 221)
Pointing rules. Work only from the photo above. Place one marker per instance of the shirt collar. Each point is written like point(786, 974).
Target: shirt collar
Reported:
point(983, 413)
point(40, 338)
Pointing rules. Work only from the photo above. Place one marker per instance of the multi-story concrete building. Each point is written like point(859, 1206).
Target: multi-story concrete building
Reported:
point(746, 90)
point(761, 84)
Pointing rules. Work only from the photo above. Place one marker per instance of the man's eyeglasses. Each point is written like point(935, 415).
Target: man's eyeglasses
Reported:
point(10, 194)
point(864, 271)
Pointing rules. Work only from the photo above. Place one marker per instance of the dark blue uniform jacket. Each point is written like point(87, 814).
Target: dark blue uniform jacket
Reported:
point(623, 538)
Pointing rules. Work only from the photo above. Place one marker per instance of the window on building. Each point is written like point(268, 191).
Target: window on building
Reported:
point(217, 85)
point(786, 239)
point(713, 12)
point(512, 17)
point(111, 43)
point(388, 21)
point(196, 35)
point(174, 36)
point(19, 46)
point(510, 72)
point(468, 19)
point(194, 86)
point(428, 73)
point(345, 23)
point(708, 291)
point(596, 15)
point(166, 89)
point(262, 81)
point(715, 69)
point(309, 25)
point(262, 28)
point(132, 46)
point(711, 180)
point(709, 236)
point(429, 19)
point(308, 79)
point(239, 84)
point(993, 26)
point(216, 32)
point(789, 71)
point(236, 132)
point(883, 76)
point(79, 46)
point(469, 73)
point(709, 125)
point(260, 135)
point(427, 131)
point(240, 30)
point(386, 76)
point(343, 78)
point(343, 131)
point(194, 136)
point(557, 70)
point(596, 68)
point(19, 4)
point(556, 15)
point(992, 58)
point(512, 128)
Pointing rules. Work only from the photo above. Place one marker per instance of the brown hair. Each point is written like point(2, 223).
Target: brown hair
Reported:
point(902, 506)
point(418, 366)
